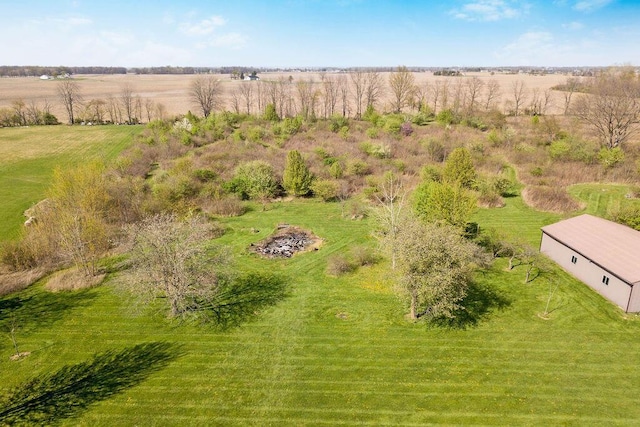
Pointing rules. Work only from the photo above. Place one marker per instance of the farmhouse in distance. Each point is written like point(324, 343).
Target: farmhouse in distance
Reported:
point(601, 253)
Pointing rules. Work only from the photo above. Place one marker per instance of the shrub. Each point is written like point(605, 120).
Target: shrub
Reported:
point(373, 132)
point(344, 132)
point(358, 168)
point(204, 175)
point(609, 157)
point(380, 151)
point(270, 113)
point(431, 173)
point(363, 256)
point(435, 150)
point(446, 117)
point(628, 215)
point(336, 170)
point(475, 123)
point(227, 206)
point(393, 124)
point(338, 265)
point(338, 122)
point(254, 180)
point(537, 171)
point(495, 138)
point(406, 129)
point(256, 134)
point(325, 189)
point(560, 149)
point(371, 115)
point(424, 116)
point(504, 186)
point(291, 125)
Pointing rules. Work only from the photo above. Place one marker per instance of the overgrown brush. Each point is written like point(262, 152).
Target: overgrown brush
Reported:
point(550, 199)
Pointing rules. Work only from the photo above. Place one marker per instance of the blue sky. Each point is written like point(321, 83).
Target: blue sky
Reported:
point(311, 33)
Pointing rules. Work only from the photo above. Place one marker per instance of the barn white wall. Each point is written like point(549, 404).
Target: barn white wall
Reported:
point(591, 274)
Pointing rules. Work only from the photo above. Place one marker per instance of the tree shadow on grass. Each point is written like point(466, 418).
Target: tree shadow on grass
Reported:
point(53, 397)
point(481, 300)
point(30, 312)
point(243, 299)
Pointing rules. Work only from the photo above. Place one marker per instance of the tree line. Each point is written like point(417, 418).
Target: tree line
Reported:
point(36, 71)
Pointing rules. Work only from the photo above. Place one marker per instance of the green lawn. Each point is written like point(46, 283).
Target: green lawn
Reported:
point(516, 220)
point(602, 199)
point(336, 351)
point(29, 155)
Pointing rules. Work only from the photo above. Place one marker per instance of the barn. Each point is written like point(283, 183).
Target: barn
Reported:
point(603, 254)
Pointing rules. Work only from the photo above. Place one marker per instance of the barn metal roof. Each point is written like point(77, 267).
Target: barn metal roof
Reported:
point(612, 246)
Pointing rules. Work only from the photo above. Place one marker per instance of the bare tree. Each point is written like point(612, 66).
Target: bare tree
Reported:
point(391, 212)
point(113, 108)
point(374, 87)
point(161, 111)
point(536, 104)
point(458, 96)
point(421, 96)
point(436, 94)
point(570, 86)
point(612, 106)
point(307, 97)
point(358, 83)
point(127, 101)
point(137, 108)
point(170, 259)
point(206, 92)
point(546, 101)
point(492, 93)
point(69, 94)
point(473, 88)
point(519, 96)
point(235, 100)
point(149, 107)
point(330, 94)
point(343, 86)
point(245, 94)
point(34, 114)
point(402, 85)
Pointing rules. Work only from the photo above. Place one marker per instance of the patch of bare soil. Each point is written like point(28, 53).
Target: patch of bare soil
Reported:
point(20, 355)
point(287, 241)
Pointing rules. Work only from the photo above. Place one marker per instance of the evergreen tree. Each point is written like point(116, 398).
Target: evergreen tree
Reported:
point(297, 178)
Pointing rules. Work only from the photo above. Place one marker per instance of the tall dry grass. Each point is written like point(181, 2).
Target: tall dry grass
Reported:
point(18, 280)
point(72, 279)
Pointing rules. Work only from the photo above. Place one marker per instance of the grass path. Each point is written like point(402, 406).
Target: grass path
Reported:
point(602, 199)
point(29, 156)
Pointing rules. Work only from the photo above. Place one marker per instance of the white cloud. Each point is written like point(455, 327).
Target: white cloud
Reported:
point(590, 5)
point(230, 40)
point(489, 10)
point(543, 48)
point(574, 26)
point(204, 27)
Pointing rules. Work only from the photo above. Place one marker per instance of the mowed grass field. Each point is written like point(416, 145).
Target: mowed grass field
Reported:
point(335, 351)
point(28, 157)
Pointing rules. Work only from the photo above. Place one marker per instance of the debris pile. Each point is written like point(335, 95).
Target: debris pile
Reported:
point(286, 242)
